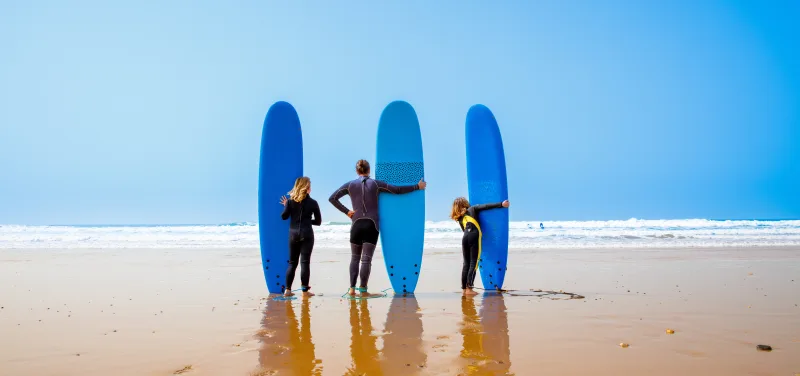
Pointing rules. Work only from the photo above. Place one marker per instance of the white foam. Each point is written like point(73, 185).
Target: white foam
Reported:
point(633, 233)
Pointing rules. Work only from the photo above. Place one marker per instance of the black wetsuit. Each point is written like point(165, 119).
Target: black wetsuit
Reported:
point(301, 238)
point(366, 221)
point(470, 244)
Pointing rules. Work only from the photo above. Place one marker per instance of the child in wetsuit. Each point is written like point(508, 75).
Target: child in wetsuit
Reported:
point(467, 218)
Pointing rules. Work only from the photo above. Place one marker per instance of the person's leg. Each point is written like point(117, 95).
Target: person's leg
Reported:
point(294, 256)
point(355, 258)
point(473, 242)
point(305, 264)
point(366, 264)
point(465, 266)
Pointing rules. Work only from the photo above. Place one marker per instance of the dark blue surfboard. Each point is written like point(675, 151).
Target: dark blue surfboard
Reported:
point(281, 163)
point(486, 178)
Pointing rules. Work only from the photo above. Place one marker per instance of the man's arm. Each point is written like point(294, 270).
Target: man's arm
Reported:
point(334, 199)
point(397, 189)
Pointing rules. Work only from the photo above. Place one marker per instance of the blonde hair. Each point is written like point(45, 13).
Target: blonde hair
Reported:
point(460, 206)
point(300, 190)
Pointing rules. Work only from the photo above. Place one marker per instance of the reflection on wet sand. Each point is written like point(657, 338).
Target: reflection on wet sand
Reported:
point(363, 344)
point(485, 337)
point(286, 342)
point(402, 352)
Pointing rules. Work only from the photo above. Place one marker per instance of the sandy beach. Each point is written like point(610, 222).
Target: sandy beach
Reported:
point(206, 312)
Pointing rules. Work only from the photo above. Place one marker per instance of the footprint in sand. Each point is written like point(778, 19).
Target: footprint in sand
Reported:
point(183, 370)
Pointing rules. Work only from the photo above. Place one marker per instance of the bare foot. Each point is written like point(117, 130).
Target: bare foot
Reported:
point(470, 292)
point(288, 293)
point(352, 292)
point(308, 294)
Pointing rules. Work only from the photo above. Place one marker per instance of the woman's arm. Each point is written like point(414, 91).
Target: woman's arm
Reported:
point(317, 216)
point(286, 210)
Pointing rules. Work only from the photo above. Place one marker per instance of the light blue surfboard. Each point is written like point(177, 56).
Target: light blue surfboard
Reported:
point(281, 163)
point(486, 178)
point(402, 225)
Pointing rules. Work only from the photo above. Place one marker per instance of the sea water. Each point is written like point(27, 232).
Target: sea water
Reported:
point(632, 233)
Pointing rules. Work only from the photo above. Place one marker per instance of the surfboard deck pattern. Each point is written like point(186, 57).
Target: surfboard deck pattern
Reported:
point(486, 178)
point(402, 224)
point(280, 164)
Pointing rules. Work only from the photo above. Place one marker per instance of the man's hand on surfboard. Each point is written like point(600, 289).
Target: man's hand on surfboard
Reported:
point(506, 203)
point(422, 184)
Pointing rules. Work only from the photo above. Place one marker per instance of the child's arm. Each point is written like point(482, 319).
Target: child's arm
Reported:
point(482, 207)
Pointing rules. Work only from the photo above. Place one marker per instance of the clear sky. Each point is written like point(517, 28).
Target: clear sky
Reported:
point(145, 111)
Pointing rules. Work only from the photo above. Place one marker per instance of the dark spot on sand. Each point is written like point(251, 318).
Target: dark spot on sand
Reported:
point(764, 348)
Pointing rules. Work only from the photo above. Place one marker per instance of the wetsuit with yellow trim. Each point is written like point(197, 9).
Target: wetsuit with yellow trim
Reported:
point(471, 242)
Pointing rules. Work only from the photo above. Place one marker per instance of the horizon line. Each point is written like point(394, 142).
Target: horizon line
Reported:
point(344, 222)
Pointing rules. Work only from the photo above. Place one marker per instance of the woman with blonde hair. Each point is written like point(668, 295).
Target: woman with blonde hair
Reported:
point(300, 208)
point(467, 218)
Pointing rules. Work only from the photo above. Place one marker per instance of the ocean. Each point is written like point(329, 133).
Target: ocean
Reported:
point(632, 233)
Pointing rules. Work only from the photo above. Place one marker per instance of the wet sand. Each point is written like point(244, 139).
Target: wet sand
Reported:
point(206, 312)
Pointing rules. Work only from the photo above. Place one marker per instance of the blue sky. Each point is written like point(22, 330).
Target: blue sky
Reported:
point(151, 111)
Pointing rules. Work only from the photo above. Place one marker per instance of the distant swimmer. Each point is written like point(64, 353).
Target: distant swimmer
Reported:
point(541, 226)
point(467, 218)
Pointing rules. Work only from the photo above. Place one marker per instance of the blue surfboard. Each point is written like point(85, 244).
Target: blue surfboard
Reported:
point(281, 163)
point(402, 225)
point(486, 178)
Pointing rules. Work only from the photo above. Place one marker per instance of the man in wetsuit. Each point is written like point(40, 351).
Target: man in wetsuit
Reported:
point(366, 222)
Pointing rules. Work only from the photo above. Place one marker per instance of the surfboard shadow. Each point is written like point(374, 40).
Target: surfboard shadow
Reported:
point(403, 351)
